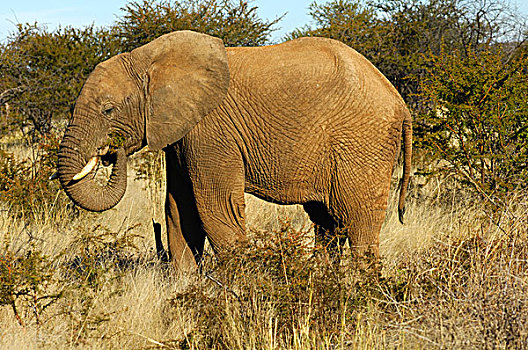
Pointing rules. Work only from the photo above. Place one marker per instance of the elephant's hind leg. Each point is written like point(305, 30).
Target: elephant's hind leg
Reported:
point(360, 215)
point(363, 233)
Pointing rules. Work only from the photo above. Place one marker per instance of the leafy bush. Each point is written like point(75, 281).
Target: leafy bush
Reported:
point(280, 277)
point(398, 35)
point(24, 280)
point(236, 23)
point(44, 71)
point(96, 258)
point(98, 252)
point(32, 282)
point(477, 120)
point(25, 187)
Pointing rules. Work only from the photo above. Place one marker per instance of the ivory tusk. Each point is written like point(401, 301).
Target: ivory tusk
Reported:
point(87, 168)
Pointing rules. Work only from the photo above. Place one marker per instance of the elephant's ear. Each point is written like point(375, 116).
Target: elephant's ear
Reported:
point(188, 78)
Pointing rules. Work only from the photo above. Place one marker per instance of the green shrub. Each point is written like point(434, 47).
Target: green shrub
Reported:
point(283, 279)
point(236, 23)
point(25, 187)
point(68, 281)
point(25, 275)
point(476, 124)
point(97, 258)
point(45, 70)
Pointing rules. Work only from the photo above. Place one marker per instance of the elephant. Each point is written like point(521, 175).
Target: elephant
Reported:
point(309, 121)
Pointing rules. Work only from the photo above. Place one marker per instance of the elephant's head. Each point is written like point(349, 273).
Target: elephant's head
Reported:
point(153, 95)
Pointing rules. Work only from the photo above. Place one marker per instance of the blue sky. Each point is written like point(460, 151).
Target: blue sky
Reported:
point(104, 12)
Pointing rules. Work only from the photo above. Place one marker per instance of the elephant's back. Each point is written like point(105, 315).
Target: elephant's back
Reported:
point(325, 67)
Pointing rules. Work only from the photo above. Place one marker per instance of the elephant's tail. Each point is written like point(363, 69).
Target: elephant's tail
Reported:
point(407, 155)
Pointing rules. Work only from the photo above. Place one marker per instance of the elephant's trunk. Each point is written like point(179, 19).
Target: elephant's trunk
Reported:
point(86, 192)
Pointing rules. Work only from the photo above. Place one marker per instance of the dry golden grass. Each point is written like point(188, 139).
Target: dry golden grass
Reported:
point(453, 276)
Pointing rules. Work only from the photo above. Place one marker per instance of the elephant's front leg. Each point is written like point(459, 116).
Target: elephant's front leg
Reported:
point(185, 235)
point(218, 184)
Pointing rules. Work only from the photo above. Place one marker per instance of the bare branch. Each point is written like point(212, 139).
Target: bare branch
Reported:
point(10, 94)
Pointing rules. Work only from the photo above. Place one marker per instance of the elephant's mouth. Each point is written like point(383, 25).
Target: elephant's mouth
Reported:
point(109, 158)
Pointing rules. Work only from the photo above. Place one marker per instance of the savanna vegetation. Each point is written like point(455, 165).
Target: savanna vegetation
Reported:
point(454, 276)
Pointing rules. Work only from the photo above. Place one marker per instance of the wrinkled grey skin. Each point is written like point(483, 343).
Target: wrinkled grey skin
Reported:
point(309, 121)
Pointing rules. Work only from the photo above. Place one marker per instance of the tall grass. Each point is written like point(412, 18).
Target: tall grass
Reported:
point(454, 276)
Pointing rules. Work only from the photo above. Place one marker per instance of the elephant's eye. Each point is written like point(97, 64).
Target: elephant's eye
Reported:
point(108, 109)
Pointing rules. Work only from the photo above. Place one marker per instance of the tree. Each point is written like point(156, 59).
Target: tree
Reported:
point(397, 36)
point(42, 72)
point(477, 120)
point(351, 22)
point(236, 23)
